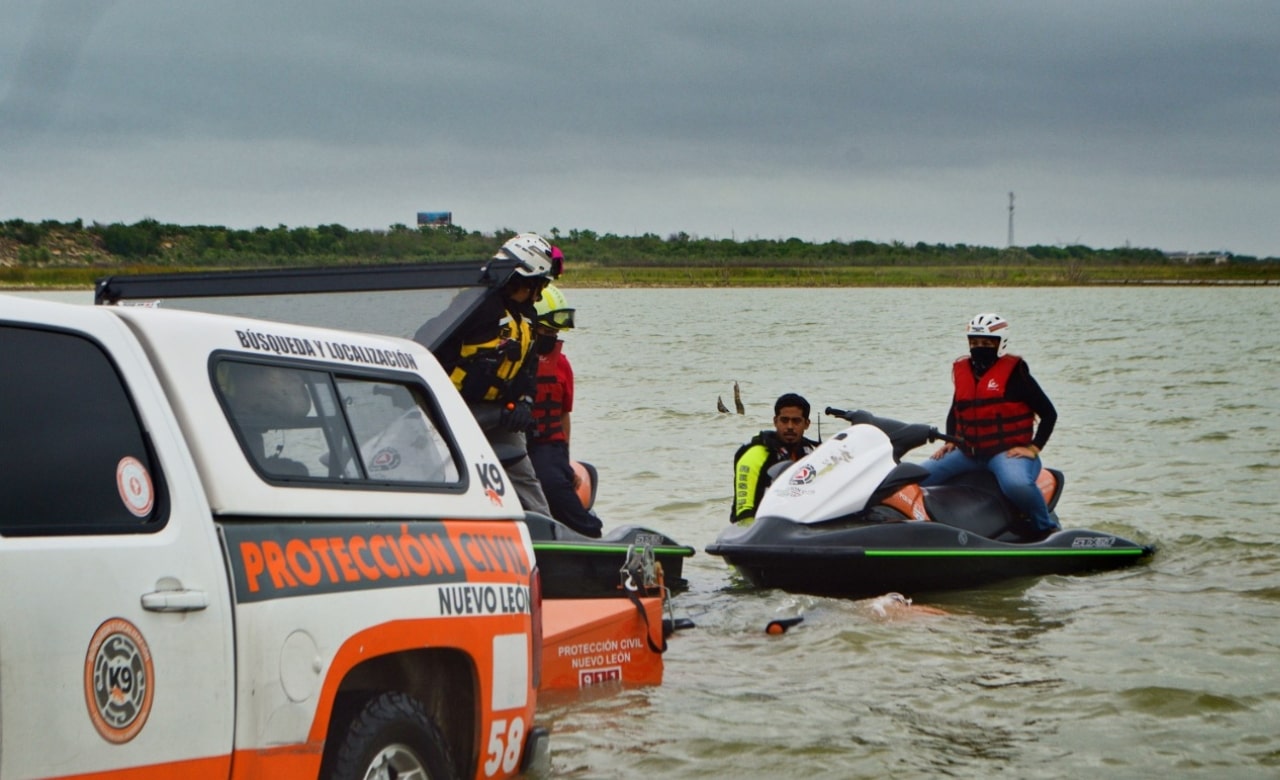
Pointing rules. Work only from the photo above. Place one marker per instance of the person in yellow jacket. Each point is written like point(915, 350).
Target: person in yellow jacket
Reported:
point(752, 461)
point(491, 362)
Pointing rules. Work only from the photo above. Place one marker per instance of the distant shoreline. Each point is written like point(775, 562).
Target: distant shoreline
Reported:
point(72, 256)
point(597, 285)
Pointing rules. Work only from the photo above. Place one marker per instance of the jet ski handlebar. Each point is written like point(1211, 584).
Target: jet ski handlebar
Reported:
point(905, 436)
point(937, 435)
point(852, 417)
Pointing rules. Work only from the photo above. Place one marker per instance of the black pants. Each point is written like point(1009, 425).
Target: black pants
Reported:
point(551, 462)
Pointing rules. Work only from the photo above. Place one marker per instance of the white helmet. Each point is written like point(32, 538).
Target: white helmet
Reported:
point(533, 254)
point(990, 325)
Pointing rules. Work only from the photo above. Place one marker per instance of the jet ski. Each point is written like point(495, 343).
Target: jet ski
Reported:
point(577, 566)
point(851, 519)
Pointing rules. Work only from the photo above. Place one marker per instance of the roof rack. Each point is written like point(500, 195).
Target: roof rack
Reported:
point(462, 287)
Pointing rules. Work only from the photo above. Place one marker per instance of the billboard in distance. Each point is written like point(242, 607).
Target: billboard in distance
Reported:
point(435, 218)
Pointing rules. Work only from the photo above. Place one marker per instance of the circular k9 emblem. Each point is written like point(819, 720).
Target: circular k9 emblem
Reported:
point(118, 680)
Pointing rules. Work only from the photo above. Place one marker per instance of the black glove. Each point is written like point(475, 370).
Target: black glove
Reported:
point(518, 417)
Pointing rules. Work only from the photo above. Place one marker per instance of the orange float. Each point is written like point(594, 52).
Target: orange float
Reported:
point(585, 481)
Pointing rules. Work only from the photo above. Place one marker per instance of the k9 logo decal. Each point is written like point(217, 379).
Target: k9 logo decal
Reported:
point(118, 680)
point(491, 477)
point(495, 487)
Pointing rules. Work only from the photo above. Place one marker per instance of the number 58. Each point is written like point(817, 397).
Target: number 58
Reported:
point(504, 746)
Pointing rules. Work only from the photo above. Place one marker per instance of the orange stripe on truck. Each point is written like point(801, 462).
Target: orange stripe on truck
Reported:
point(278, 560)
point(291, 761)
point(192, 769)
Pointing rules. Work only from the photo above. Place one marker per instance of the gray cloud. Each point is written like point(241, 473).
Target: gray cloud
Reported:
point(1114, 122)
point(48, 59)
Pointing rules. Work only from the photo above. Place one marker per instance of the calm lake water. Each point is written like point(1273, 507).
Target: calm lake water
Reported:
point(1168, 432)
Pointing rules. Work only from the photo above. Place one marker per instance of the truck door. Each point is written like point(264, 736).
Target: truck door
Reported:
point(115, 627)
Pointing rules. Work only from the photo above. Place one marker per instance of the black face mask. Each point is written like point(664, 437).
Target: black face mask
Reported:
point(983, 357)
point(544, 345)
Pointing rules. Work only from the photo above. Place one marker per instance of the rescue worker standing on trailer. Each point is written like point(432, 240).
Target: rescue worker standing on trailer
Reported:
point(490, 361)
point(994, 411)
point(552, 406)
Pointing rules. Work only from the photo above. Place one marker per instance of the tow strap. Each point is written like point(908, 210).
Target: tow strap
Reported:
point(642, 571)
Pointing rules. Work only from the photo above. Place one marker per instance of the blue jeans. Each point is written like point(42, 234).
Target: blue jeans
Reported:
point(1017, 478)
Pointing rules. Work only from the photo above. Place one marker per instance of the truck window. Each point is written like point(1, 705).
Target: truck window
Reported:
point(300, 423)
point(75, 458)
point(400, 439)
point(277, 412)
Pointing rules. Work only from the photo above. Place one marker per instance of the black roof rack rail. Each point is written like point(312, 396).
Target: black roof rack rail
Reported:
point(474, 281)
point(277, 281)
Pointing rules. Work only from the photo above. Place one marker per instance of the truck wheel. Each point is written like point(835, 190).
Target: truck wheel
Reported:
point(393, 738)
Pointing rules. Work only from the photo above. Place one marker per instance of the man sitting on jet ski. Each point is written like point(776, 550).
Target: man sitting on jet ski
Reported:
point(753, 460)
point(994, 411)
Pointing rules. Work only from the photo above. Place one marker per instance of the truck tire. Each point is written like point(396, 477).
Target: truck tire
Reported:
point(393, 738)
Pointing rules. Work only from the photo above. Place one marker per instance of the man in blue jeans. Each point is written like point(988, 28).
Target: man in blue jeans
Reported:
point(994, 411)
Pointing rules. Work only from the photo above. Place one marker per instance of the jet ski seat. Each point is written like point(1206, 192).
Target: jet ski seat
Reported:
point(902, 475)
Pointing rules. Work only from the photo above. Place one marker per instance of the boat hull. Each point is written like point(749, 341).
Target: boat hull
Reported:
point(910, 557)
point(593, 642)
point(577, 566)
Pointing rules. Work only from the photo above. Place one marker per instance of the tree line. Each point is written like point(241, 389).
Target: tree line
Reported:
point(152, 243)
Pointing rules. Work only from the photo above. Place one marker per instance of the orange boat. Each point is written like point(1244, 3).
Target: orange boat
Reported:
point(609, 640)
point(587, 642)
point(591, 636)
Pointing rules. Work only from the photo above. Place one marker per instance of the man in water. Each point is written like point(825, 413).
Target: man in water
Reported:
point(896, 605)
point(752, 461)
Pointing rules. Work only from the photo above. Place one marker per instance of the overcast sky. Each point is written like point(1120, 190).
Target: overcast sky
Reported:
point(1151, 124)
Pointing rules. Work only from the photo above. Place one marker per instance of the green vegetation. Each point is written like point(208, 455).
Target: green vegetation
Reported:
point(51, 253)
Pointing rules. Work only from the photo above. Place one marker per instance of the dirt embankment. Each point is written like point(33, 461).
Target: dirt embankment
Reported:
point(57, 248)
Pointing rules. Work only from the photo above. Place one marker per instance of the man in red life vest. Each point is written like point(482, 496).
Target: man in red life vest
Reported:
point(994, 410)
point(552, 405)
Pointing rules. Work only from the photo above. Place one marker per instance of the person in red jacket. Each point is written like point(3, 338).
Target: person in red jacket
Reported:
point(552, 406)
point(995, 410)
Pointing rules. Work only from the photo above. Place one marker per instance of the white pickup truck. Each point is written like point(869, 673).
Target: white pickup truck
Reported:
point(236, 548)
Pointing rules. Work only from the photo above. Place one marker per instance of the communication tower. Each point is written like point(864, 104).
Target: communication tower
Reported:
point(1011, 220)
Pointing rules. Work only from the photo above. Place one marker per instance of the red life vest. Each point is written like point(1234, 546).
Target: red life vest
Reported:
point(987, 422)
point(553, 397)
